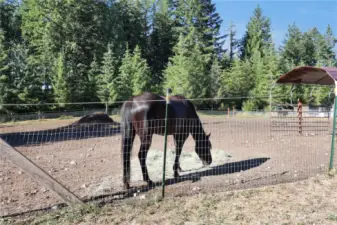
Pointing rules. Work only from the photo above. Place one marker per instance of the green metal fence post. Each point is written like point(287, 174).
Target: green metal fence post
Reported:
point(333, 131)
point(168, 92)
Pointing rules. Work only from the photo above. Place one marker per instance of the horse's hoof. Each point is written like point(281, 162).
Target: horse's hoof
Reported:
point(126, 186)
point(150, 183)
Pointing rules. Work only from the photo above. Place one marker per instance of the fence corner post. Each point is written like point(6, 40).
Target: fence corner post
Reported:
point(168, 92)
point(332, 152)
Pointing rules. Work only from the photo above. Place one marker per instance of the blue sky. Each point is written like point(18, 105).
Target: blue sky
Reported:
point(306, 14)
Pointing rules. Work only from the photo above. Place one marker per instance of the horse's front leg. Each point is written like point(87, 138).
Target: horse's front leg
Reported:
point(176, 165)
point(144, 148)
point(179, 142)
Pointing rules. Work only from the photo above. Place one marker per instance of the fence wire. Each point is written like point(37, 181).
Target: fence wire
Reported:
point(248, 150)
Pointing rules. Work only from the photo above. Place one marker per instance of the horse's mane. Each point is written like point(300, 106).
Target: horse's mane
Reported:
point(180, 97)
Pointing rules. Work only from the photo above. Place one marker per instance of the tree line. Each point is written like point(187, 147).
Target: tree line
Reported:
point(108, 50)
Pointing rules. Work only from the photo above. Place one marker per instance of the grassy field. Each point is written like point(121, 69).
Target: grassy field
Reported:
point(311, 201)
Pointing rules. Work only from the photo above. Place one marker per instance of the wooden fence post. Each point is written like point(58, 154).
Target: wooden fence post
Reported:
point(14, 156)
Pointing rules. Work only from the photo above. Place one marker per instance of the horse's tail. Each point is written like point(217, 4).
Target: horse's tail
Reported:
point(127, 138)
point(126, 119)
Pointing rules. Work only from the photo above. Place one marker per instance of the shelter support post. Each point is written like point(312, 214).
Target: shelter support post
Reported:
point(332, 152)
point(329, 99)
point(270, 97)
point(299, 114)
point(291, 94)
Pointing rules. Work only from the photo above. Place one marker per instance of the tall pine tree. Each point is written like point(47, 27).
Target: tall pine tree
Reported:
point(161, 43)
point(257, 36)
point(125, 76)
point(107, 81)
point(60, 81)
point(5, 87)
point(187, 72)
point(141, 76)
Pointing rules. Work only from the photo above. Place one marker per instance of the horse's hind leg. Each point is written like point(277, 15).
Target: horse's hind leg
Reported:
point(144, 148)
point(179, 140)
point(126, 154)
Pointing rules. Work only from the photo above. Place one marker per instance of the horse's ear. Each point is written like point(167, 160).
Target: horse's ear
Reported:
point(208, 135)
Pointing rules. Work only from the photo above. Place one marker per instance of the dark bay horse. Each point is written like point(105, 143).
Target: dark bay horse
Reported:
point(144, 115)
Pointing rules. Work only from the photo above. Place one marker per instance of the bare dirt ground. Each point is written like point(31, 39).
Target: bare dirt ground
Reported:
point(249, 154)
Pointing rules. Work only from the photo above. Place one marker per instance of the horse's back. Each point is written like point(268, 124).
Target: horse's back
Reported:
point(151, 107)
point(148, 106)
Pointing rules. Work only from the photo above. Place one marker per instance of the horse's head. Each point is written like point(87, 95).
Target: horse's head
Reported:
point(203, 149)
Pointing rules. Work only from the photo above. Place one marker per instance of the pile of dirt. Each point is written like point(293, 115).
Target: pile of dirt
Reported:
point(96, 118)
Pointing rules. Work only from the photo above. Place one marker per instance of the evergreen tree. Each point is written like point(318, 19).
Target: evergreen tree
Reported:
point(93, 76)
point(176, 73)
point(215, 75)
point(27, 87)
point(265, 71)
point(233, 43)
point(236, 81)
point(141, 76)
point(201, 17)
point(199, 76)
point(60, 81)
point(257, 36)
point(309, 47)
point(37, 29)
point(161, 43)
point(125, 76)
point(187, 72)
point(5, 87)
point(10, 22)
point(107, 84)
point(208, 23)
point(227, 59)
point(76, 26)
point(174, 43)
point(292, 50)
point(133, 24)
point(325, 56)
point(328, 52)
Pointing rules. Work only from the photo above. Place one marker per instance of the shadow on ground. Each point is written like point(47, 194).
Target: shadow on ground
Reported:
point(101, 200)
point(66, 133)
point(227, 168)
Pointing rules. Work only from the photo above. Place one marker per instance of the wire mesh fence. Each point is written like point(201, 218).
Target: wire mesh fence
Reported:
point(249, 149)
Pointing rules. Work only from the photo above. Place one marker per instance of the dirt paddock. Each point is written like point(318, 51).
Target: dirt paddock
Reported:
point(246, 153)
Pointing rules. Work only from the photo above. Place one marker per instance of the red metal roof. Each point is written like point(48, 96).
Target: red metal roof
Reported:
point(310, 75)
